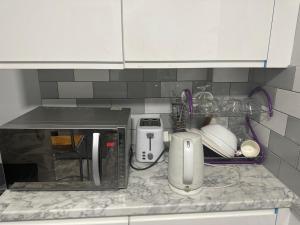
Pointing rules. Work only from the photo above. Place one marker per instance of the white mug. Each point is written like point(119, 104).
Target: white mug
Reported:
point(250, 149)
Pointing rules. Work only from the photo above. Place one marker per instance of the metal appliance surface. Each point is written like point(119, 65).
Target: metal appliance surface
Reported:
point(67, 148)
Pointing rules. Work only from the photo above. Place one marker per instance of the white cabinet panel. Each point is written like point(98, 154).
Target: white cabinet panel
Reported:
point(60, 31)
point(196, 30)
point(92, 221)
point(262, 217)
point(283, 33)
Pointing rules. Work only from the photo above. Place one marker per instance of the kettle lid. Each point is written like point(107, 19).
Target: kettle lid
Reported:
point(186, 135)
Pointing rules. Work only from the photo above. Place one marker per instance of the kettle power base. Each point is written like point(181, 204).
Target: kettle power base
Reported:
point(183, 192)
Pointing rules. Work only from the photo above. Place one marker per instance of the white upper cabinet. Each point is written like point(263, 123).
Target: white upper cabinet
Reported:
point(207, 32)
point(61, 33)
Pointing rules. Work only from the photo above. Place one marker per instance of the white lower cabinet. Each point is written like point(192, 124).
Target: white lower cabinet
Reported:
point(260, 217)
point(255, 217)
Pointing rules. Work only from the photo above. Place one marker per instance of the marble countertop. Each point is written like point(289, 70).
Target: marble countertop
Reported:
point(243, 187)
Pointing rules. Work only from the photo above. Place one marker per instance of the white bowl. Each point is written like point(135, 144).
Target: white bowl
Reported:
point(218, 145)
point(222, 133)
point(214, 144)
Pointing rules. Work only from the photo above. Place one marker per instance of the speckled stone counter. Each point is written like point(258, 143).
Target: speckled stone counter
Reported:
point(296, 208)
point(252, 187)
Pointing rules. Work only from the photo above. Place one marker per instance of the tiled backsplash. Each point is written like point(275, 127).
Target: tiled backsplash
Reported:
point(281, 133)
point(146, 92)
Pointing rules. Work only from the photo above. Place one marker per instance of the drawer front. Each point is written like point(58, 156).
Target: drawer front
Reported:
point(261, 217)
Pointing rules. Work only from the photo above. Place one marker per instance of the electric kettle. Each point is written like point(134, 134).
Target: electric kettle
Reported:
point(186, 163)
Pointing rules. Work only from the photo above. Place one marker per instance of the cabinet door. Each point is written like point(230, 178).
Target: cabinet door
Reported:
point(60, 31)
point(263, 217)
point(196, 30)
point(91, 221)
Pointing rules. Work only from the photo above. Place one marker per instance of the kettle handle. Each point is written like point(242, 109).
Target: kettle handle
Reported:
point(188, 162)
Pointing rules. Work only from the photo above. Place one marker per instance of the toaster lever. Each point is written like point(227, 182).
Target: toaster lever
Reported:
point(150, 136)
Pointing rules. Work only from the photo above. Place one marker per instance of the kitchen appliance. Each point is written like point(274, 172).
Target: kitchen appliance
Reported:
point(67, 148)
point(186, 163)
point(149, 140)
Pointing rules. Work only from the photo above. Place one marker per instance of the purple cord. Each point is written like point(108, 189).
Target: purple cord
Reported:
point(189, 96)
point(269, 99)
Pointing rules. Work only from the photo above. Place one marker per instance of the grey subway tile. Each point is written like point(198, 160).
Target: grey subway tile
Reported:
point(167, 120)
point(296, 85)
point(290, 176)
point(293, 129)
point(240, 88)
point(143, 89)
point(284, 148)
point(59, 102)
point(126, 75)
point(157, 105)
point(48, 90)
point(191, 74)
point(137, 106)
point(230, 75)
point(93, 102)
point(56, 75)
point(201, 86)
point(257, 75)
point(288, 102)
point(110, 89)
point(160, 75)
point(174, 89)
point(75, 89)
point(91, 75)
point(272, 162)
point(220, 88)
point(281, 78)
point(276, 123)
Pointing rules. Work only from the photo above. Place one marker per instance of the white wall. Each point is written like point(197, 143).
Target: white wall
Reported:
point(19, 93)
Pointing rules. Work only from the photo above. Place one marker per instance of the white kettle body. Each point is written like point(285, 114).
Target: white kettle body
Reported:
point(186, 163)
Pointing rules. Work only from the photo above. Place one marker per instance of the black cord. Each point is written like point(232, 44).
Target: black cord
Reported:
point(147, 167)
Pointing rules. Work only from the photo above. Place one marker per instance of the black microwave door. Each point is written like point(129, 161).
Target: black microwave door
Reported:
point(47, 159)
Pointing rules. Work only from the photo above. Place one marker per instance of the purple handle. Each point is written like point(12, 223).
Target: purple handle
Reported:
point(189, 96)
point(269, 99)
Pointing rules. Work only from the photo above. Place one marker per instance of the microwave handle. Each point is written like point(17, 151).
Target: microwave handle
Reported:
point(95, 158)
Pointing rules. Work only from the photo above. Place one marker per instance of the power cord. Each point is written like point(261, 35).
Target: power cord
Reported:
point(147, 167)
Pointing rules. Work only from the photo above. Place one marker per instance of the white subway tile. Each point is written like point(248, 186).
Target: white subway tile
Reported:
point(157, 105)
point(91, 75)
point(288, 102)
point(276, 123)
point(75, 89)
point(230, 75)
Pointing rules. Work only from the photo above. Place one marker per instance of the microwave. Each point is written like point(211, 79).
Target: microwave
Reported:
point(67, 148)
